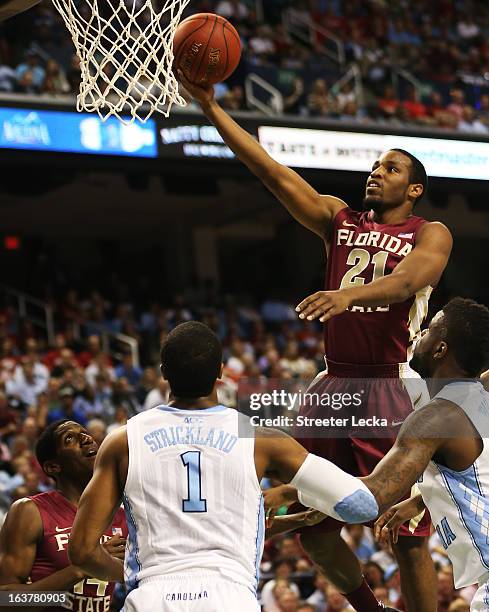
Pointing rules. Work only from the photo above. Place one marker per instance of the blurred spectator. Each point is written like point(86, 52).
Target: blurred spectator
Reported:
point(7, 78)
point(157, 396)
point(389, 103)
point(467, 27)
point(457, 104)
point(26, 386)
point(8, 360)
point(470, 123)
point(55, 82)
point(374, 574)
point(41, 372)
point(97, 429)
point(446, 589)
point(261, 43)
point(32, 67)
point(120, 418)
point(351, 112)
point(94, 350)
point(147, 382)
point(123, 394)
point(99, 365)
point(282, 41)
point(234, 10)
point(30, 431)
point(358, 540)
point(295, 363)
point(32, 483)
point(8, 418)
point(294, 102)
point(73, 74)
point(288, 602)
point(383, 557)
point(416, 110)
point(335, 601)
point(483, 110)
point(66, 408)
point(318, 100)
point(282, 569)
point(64, 362)
point(436, 106)
point(320, 595)
point(392, 581)
point(233, 100)
point(128, 370)
point(345, 96)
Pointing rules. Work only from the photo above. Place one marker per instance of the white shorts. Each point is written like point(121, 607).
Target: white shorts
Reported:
point(194, 592)
point(480, 603)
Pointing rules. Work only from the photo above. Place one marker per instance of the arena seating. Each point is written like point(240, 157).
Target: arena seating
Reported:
point(366, 62)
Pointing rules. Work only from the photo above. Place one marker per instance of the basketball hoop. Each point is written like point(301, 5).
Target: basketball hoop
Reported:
point(126, 55)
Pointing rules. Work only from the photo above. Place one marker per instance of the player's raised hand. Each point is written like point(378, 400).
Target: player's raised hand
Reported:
point(203, 95)
point(324, 305)
point(116, 546)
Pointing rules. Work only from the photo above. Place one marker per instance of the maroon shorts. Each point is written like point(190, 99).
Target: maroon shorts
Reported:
point(358, 450)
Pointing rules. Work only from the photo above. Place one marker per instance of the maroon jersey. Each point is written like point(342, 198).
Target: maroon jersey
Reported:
point(360, 251)
point(57, 515)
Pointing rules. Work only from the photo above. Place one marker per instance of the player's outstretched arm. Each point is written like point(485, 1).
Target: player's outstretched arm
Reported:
point(304, 203)
point(320, 483)
point(423, 434)
point(21, 532)
point(422, 267)
point(97, 508)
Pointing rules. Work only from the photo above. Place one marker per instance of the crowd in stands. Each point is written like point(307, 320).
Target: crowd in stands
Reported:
point(75, 377)
point(442, 44)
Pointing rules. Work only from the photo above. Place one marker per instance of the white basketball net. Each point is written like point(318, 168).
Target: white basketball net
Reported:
point(126, 55)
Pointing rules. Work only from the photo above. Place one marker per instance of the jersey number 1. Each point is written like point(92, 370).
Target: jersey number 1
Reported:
point(194, 501)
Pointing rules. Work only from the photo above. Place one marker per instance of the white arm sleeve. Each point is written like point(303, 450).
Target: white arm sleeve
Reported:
point(325, 487)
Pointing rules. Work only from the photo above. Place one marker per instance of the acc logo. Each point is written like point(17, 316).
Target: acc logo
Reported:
point(194, 421)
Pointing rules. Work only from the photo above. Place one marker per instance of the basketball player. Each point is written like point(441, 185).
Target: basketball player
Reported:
point(382, 265)
point(34, 536)
point(189, 474)
point(443, 447)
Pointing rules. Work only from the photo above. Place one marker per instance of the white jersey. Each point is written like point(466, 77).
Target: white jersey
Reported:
point(459, 501)
point(192, 496)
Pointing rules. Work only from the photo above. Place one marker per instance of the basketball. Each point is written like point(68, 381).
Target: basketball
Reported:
point(207, 48)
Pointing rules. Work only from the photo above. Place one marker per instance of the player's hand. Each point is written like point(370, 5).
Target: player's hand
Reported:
point(275, 498)
point(116, 546)
point(386, 528)
point(313, 517)
point(323, 305)
point(203, 95)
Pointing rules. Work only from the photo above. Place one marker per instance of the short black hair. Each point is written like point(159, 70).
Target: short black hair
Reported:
point(466, 326)
point(46, 448)
point(417, 174)
point(191, 358)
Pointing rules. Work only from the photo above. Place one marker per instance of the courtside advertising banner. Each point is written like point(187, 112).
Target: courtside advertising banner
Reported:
point(353, 151)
